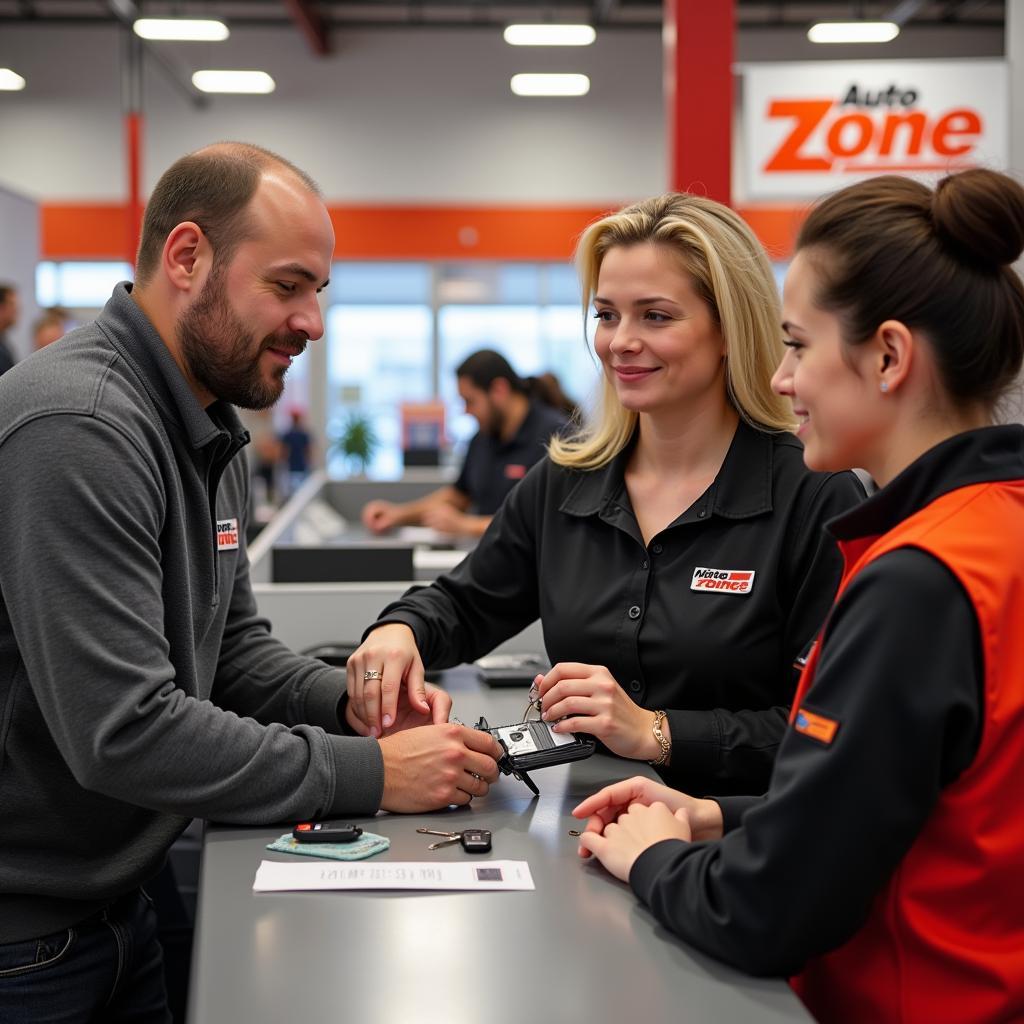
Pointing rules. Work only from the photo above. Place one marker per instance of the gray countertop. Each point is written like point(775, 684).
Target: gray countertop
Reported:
point(579, 948)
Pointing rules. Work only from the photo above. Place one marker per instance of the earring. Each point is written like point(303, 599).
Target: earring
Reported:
point(885, 386)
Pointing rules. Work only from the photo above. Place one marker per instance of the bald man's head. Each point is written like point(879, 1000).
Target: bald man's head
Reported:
point(212, 188)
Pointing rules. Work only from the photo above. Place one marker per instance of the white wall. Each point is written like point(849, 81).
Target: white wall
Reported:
point(393, 116)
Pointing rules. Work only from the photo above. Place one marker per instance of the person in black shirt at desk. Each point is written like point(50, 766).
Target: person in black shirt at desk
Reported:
point(673, 549)
point(515, 427)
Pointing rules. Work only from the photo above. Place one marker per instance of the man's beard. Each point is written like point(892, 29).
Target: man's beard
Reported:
point(224, 358)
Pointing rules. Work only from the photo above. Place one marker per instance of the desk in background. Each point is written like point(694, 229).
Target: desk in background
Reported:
point(580, 948)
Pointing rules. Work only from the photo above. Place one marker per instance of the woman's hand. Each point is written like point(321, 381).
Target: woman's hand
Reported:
point(606, 806)
point(623, 840)
point(388, 656)
point(601, 708)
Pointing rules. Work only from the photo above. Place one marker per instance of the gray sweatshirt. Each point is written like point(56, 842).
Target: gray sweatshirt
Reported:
point(139, 687)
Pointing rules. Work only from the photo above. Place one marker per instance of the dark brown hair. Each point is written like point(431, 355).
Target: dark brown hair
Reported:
point(213, 188)
point(938, 261)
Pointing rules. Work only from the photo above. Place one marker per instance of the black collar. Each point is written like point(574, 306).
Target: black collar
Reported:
point(742, 488)
point(986, 455)
point(139, 344)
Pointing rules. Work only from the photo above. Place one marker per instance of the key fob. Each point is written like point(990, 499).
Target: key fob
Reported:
point(476, 840)
point(325, 832)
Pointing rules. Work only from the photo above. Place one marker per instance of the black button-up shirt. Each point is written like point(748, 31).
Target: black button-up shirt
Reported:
point(493, 466)
point(705, 622)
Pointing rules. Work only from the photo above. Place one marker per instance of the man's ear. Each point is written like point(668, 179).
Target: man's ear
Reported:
point(187, 257)
point(499, 390)
point(890, 355)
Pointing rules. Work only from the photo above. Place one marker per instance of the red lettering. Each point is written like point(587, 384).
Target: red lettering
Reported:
point(956, 122)
point(917, 123)
point(809, 114)
point(864, 130)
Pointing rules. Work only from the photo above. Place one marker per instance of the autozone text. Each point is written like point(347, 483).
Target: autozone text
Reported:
point(736, 581)
point(885, 131)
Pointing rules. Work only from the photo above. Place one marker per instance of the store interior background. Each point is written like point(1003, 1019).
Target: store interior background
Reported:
point(456, 202)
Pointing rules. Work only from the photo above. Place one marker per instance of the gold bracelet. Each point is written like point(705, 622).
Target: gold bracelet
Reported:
point(663, 741)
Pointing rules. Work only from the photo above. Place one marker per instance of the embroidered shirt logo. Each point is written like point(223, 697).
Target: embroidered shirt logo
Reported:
point(227, 534)
point(726, 581)
point(818, 727)
point(513, 471)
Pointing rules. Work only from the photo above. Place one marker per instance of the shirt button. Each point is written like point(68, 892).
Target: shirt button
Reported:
point(634, 685)
point(656, 548)
point(643, 565)
point(700, 514)
point(634, 612)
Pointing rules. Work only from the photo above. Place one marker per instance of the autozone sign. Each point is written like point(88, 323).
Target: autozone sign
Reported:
point(809, 128)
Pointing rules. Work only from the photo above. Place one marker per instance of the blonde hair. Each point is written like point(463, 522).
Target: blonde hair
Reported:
point(731, 274)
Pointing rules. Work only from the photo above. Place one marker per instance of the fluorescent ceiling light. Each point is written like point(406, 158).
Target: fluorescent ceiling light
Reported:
point(233, 81)
point(550, 85)
point(206, 31)
point(549, 35)
point(853, 32)
point(10, 81)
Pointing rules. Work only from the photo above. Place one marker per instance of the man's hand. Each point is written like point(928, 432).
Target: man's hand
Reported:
point(623, 840)
point(444, 518)
point(607, 805)
point(389, 655)
point(435, 766)
point(380, 516)
point(601, 708)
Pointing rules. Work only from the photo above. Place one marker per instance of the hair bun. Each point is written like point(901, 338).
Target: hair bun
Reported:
point(979, 216)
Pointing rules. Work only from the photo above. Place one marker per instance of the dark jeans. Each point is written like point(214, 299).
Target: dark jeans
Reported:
point(107, 968)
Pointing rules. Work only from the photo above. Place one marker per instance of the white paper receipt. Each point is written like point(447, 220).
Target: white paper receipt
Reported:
point(273, 876)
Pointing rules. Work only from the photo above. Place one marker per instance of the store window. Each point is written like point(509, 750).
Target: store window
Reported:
point(78, 285)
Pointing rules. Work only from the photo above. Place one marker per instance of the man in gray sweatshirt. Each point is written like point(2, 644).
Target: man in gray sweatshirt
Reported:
point(139, 687)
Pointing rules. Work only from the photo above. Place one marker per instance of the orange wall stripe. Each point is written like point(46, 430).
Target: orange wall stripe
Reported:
point(98, 231)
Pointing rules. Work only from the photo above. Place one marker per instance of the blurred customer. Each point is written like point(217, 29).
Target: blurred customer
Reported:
point(51, 326)
point(296, 451)
point(515, 428)
point(9, 310)
point(266, 456)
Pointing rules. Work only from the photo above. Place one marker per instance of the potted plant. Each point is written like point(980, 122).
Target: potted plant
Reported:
point(357, 442)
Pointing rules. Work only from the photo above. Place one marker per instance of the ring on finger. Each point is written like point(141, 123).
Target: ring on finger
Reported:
point(371, 673)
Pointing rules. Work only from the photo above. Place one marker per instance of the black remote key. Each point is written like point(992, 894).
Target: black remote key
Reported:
point(476, 840)
point(325, 832)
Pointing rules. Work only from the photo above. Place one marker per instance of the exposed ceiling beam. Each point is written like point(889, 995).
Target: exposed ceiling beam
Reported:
point(311, 24)
point(126, 12)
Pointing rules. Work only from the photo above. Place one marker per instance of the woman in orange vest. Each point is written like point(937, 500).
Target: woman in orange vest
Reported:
point(882, 869)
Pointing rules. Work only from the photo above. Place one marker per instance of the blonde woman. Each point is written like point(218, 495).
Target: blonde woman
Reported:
point(673, 550)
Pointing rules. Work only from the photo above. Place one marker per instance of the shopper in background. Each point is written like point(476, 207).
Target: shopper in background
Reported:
point(515, 427)
point(50, 326)
point(882, 869)
point(296, 451)
point(9, 310)
point(673, 549)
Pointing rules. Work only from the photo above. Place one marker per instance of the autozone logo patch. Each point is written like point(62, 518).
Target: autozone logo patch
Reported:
point(873, 131)
point(723, 581)
point(227, 534)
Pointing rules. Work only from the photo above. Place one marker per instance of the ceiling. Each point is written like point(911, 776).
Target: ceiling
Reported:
point(322, 15)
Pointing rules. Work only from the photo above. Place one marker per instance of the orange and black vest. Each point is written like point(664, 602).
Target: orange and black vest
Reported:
point(944, 939)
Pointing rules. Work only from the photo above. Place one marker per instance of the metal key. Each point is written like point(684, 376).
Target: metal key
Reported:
point(434, 832)
point(445, 842)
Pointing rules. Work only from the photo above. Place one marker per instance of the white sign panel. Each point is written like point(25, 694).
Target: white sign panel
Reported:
point(812, 127)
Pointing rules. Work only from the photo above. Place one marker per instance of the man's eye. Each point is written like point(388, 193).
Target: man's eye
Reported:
point(286, 286)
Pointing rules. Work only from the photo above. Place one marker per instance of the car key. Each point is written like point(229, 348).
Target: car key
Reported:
point(476, 840)
point(325, 832)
